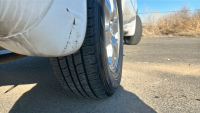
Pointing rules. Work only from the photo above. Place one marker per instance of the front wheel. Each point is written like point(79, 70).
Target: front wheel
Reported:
point(95, 70)
point(135, 39)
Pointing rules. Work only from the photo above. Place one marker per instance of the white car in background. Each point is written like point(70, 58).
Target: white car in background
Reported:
point(83, 38)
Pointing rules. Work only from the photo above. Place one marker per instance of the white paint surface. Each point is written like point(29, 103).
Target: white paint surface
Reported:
point(50, 28)
point(47, 28)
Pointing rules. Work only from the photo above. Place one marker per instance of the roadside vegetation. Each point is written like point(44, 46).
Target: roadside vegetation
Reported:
point(180, 23)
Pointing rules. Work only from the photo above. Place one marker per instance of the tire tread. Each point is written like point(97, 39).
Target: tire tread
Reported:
point(79, 72)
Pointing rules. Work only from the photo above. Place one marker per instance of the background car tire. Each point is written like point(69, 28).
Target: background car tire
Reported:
point(86, 73)
point(135, 39)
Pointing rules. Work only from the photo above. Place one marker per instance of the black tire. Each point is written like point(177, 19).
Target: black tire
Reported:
point(135, 39)
point(86, 72)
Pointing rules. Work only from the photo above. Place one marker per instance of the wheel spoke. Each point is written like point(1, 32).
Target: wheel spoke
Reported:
point(115, 50)
point(114, 26)
point(110, 10)
point(108, 37)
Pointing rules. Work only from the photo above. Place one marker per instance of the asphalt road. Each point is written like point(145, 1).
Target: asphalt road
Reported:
point(159, 75)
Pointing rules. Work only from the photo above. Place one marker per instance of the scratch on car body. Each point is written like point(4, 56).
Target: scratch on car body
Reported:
point(73, 28)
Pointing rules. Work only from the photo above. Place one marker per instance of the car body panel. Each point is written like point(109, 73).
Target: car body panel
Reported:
point(50, 28)
point(129, 17)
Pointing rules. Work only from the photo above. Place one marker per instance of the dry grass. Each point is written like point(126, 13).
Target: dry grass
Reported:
point(182, 23)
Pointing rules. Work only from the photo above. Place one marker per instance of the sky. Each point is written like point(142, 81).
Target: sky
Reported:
point(165, 5)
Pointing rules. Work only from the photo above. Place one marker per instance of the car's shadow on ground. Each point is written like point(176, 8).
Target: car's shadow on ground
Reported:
point(48, 96)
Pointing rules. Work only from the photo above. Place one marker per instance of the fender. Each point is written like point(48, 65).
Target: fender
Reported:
point(46, 28)
point(129, 17)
